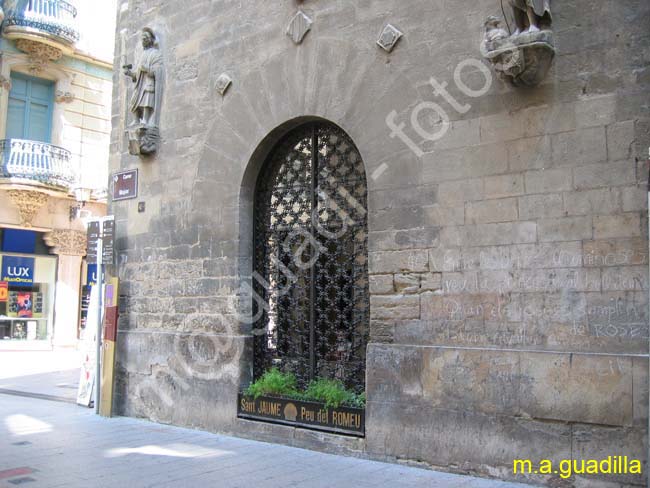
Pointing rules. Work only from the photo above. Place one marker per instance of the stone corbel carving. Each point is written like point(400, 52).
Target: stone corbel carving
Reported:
point(28, 204)
point(524, 57)
point(40, 54)
point(148, 76)
point(5, 83)
point(64, 97)
point(66, 241)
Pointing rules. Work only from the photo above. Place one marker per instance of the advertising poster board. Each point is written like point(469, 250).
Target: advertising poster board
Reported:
point(24, 305)
point(88, 352)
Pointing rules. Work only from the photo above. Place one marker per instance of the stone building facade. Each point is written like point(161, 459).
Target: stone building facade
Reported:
point(507, 225)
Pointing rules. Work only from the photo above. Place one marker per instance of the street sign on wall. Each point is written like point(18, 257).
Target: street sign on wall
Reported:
point(125, 185)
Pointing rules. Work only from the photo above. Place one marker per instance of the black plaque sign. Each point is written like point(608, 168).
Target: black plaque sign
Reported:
point(125, 185)
point(104, 255)
point(92, 238)
point(311, 415)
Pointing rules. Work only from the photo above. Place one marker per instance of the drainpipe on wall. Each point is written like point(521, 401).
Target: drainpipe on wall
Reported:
point(648, 432)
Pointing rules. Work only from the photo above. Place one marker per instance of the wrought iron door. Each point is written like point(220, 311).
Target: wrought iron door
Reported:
point(311, 258)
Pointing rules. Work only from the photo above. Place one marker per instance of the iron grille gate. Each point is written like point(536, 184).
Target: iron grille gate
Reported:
point(311, 258)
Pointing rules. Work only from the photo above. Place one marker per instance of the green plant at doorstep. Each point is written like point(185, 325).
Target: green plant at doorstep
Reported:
point(273, 382)
point(330, 392)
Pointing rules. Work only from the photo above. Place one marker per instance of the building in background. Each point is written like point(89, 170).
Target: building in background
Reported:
point(55, 97)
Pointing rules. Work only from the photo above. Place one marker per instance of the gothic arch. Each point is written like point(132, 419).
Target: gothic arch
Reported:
point(306, 195)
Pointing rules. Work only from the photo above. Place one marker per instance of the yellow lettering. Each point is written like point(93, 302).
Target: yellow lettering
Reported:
point(323, 416)
point(524, 465)
point(308, 415)
point(247, 406)
point(606, 466)
point(635, 466)
point(581, 468)
point(545, 466)
point(565, 468)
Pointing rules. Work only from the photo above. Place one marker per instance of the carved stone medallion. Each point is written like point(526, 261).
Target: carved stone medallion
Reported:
point(389, 37)
point(298, 27)
point(223, 83)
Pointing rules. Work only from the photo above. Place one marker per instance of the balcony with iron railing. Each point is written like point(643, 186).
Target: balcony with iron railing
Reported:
point(36, 163)
point(51, 22)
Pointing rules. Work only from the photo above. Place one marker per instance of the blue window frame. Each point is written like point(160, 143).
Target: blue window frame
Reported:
point(29, 115)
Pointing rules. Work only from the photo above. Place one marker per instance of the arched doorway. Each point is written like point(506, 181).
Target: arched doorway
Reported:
point(311, 258)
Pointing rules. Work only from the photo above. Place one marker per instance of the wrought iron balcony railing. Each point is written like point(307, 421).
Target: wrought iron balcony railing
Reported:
point(53, 20)
point(36, 162)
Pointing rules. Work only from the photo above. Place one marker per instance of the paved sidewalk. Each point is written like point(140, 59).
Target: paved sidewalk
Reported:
point(49, 373)
point(49, 444)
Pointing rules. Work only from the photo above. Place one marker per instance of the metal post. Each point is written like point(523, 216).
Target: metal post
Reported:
point(312, 270)
point(98, 343)
point(648, 426)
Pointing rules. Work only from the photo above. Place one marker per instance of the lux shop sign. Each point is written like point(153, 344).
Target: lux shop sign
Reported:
point(17, 269)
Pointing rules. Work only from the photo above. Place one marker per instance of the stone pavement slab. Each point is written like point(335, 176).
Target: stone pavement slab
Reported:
point(52, 444)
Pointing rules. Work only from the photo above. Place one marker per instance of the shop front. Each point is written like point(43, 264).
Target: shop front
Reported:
point(27, 284)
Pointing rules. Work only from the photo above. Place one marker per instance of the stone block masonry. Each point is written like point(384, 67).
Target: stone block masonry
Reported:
point(508, 263)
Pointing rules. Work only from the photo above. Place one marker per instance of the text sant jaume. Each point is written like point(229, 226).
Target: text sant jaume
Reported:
point(302, 413)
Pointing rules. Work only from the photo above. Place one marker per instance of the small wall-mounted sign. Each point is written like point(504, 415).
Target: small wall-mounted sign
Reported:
point(306, 414)
point(125, 185)
point(17, 269)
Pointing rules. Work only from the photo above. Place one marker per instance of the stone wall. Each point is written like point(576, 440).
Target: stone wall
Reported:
point(508, 259)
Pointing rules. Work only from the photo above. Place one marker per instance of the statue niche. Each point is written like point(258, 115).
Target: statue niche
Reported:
point(145, 104)
point(525, 56)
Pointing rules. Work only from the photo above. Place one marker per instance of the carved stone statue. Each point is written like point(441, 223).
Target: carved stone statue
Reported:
point(531, 15)
point(147, 97)
point(493, 29)
point(525, 57)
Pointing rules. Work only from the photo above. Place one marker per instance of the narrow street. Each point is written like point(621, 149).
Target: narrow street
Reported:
point(48, 444)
